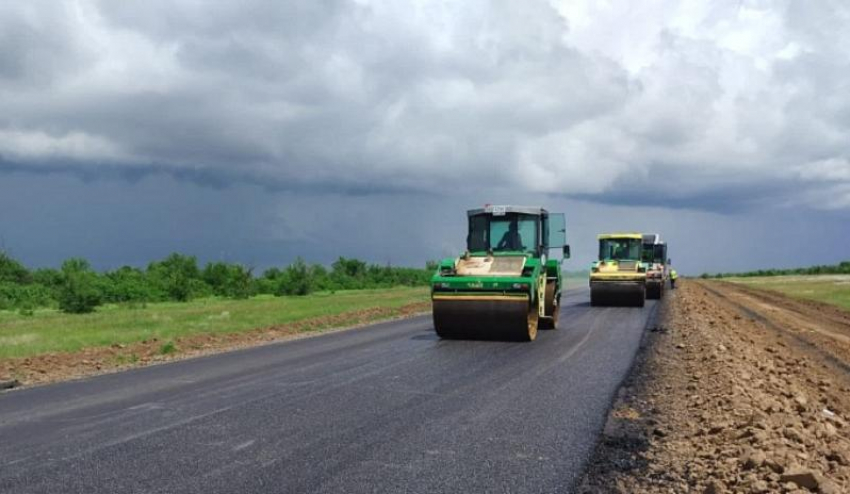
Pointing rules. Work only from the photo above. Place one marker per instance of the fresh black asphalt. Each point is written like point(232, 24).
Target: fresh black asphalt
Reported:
point(384, 409)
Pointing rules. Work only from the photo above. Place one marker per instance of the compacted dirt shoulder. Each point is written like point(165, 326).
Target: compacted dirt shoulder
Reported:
point(734, 391)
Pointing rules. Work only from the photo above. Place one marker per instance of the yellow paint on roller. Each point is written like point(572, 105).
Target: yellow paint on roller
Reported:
point(618, 276)
point(603, 236)
point(478, 298)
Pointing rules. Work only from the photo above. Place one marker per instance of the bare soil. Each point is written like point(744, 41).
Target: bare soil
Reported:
point(54, 367)
point(736, 390)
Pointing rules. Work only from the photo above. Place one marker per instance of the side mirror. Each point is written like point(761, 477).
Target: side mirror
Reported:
point(566, 252)
point(669, 261)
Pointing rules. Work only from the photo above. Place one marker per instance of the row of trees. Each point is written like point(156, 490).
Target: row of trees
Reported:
point(77, 288)
point(841, 268)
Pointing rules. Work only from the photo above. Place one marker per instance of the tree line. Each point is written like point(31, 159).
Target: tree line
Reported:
point(77, 288)
point(841, 268)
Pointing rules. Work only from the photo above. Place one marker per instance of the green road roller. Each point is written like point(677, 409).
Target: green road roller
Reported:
point(505, 285)
point(619, 276)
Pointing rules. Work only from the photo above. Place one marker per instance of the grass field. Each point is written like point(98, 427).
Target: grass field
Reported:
point(830, 289)
point(52, 331)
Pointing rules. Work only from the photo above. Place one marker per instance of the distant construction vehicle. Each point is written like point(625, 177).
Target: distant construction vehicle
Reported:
point(619, 276)
point(504, 286)
point(654, 255)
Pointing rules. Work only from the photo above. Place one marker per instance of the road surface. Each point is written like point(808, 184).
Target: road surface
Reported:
point(389, 408)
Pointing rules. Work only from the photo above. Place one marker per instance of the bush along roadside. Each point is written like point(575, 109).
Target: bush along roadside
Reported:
point(841, 268)
point(77, 288)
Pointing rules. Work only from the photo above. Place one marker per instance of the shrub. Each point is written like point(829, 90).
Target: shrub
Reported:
point(167, 348)
point(173, 277)
point(348, 273)
point(295, 280)
point(12, 271)
point(127, 285)
point(79, 292)
point(268, 283)
point(77, 288)
point(228, 280)
point(6, 296)
point(49, 278)
point(14, 296)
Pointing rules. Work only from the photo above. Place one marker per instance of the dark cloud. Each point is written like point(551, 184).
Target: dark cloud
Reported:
point(112, 222)
point(337, 107)
point(332, 93)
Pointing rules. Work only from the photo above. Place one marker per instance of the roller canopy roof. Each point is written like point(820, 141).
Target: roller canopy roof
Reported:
point(498, 209)
point(603, 236)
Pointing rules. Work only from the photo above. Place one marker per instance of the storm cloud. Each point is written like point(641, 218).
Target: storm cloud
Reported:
point(579, 98)
point(706, 108)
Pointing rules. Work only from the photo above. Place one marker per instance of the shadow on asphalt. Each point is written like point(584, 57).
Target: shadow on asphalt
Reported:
point(432, 336)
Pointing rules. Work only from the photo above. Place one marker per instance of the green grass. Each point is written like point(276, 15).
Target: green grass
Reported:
point(49, 330)
point(169, 347)
point(126, 359)
point(830, 289)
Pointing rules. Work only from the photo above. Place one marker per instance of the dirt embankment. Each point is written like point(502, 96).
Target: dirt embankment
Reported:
point(737, 391)
point(53, 367)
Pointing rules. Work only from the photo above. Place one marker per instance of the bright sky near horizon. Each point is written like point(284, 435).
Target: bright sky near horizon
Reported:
point(258, 131)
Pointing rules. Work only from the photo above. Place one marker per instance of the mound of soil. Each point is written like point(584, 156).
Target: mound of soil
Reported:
point(736, 391)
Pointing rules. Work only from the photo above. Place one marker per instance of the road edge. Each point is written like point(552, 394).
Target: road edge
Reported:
point(655, 324)
point(208, 352)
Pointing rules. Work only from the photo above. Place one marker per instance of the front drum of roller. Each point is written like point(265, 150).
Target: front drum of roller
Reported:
point(503, 318)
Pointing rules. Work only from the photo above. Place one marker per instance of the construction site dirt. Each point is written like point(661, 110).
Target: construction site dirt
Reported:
point(736, 390)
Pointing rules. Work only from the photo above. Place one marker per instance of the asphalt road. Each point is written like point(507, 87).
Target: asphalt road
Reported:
point(389, 408)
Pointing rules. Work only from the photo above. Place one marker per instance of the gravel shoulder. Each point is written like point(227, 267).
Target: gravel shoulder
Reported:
point(736, 390)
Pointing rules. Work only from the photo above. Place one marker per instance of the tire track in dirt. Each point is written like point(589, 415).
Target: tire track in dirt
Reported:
point(839, 360)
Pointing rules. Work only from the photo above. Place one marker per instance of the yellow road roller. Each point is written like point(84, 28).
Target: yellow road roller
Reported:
point(618, 277)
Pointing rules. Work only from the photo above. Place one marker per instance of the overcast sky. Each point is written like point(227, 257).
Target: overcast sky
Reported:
point(258, 131)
